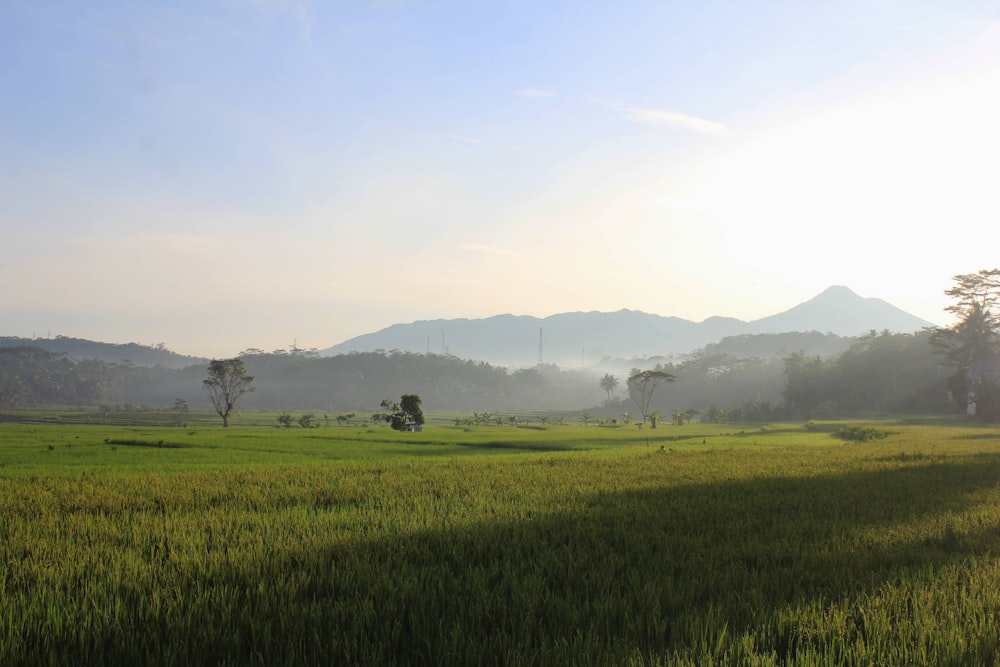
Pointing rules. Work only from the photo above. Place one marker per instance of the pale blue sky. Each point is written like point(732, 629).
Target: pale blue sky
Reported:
point(224, 175)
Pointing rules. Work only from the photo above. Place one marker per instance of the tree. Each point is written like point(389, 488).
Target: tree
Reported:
point(898, 372)
point(227, 380)
point(681, 416)
point(803, 378)
point(409, 404)
point(715, 415)
point(971, 344)
point(180, 409)
point(609, 383)
point(400, 415)
point(642, 384)
point(975, 335)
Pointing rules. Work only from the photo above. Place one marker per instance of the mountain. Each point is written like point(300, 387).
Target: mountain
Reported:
point(840, 311)
point(566, 339)
point(80, 349)
point(584, 338)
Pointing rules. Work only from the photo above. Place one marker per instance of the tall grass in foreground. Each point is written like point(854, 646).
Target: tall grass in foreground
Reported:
point(876, 553)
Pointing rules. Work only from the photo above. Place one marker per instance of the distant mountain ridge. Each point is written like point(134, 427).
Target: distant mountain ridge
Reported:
point(584, 338)
point(80, 349)
point(568, 339)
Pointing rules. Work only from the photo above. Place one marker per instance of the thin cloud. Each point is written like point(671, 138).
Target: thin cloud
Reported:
point(464, 139)
point(675, 120)
point(534, 92)
point(488, 249)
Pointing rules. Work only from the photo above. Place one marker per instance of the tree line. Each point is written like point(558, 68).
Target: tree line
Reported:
point(878, 372)
point(31, 377)
point(881, 372)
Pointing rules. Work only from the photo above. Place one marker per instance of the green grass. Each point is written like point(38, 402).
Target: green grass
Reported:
point(570, 545)
point(69, 447)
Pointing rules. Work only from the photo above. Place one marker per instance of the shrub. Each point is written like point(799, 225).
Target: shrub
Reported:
point(861, 434)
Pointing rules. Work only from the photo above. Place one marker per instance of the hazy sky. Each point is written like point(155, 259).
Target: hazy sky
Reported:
point(219, 175)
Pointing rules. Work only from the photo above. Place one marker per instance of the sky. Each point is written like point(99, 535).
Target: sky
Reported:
point(230, 174)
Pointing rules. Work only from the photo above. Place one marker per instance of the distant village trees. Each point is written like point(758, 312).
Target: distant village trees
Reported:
point(881, 372)
point(31, 376)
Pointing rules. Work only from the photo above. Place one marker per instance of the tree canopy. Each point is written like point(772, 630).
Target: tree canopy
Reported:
point(974, 336)
point(642, 385)
point(400, 416)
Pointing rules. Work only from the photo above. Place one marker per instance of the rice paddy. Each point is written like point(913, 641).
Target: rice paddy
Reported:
point(555, 545)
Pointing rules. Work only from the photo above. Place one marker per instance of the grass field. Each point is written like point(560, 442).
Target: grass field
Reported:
point(548, 545)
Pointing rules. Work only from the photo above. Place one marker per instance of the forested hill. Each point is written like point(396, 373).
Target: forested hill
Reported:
point(880, 372)
point(80, 349)
point(764, 346)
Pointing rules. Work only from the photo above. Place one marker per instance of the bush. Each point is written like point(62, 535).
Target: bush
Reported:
point(861, 434)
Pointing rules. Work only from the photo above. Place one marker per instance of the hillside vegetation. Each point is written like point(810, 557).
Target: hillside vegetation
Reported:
point(747, 378)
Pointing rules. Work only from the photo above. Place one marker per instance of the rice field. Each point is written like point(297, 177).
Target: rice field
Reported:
point(550, 545)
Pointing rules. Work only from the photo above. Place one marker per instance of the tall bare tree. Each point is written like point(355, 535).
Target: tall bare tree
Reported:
point(227, 380)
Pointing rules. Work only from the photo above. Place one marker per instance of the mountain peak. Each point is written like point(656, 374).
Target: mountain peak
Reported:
point(840, 310)
point(580, 338)
point(837, 290)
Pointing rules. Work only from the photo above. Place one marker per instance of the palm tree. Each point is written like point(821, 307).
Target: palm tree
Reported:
point(609, 383)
